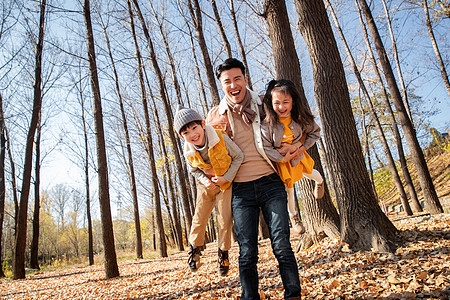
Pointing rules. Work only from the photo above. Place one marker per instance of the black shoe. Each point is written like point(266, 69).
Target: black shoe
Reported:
point(224, 263)
point(194, 258)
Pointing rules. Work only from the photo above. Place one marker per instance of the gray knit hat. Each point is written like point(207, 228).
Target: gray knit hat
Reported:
point(184, 116)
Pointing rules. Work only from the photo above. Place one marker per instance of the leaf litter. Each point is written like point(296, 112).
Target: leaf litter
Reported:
point(419, 269)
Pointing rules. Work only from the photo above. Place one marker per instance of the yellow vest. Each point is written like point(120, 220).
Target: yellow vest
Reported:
point(218, 156)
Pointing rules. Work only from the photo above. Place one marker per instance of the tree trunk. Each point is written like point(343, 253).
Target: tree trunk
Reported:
point(169, 115)
point(381, 135)
point(34, 263)
point(320, 216)
point(21, 235)
point(396, 133)
point(397, 62)
point(226, 44)
point(363, 225)
point(13, 179)
point(2, 181)
point(111, 268)
point(436, 48)
point(197, 20)
point(431, 200)
point(131, 174)
point(86, 178)
point(149, 143)
point(241, 45)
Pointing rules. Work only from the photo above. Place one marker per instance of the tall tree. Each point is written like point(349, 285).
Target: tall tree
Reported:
point(169, 115)
point(363, 225)
point(241, 45)
point(218, 20)
point(130, 163)
point(320, 214)
point(34, 263)
point(21, 235)
point(111, 268)
point(432, 203)
point(149, 142)
point(375, 119)
point(435, 47)
point(196, 16)
point(2, 181)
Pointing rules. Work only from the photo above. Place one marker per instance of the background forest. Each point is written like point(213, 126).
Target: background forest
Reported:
point(60, 180)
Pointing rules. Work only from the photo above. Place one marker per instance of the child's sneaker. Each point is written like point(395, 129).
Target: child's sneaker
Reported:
point(224, 263)
point(194, 258)
point(297, 225)
point(319, 190)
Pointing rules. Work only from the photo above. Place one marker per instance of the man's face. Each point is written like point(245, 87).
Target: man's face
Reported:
point(195, 134)
point(234, 84)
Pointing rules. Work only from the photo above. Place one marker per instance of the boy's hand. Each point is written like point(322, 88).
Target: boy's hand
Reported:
point(219, 180)
point(210, 185)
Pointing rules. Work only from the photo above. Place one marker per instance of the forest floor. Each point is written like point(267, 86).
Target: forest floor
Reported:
point(420, 268)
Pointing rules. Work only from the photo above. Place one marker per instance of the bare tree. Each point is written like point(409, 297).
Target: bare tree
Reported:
point(218, 20)
point(363, 225)
point(21, 236)
point(111, 268)
point(435, 47)
point(149, 142)
point(432, 203)
point(320, 215)
point(2, 180)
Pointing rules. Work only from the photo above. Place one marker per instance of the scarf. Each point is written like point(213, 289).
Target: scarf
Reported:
point(243, 109)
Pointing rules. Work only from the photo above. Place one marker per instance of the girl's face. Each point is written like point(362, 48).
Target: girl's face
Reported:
point(281, 103)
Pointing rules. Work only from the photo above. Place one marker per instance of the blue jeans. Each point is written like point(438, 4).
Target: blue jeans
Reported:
point(269, 195)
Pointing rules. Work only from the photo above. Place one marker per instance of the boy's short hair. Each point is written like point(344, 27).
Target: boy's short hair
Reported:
point(229, 63)
point(186, 126)
point(184, 116)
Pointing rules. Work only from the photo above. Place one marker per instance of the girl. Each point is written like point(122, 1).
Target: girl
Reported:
point(289, 127)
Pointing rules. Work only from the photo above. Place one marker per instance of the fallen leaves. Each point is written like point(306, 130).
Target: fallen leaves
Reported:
point(419, 269)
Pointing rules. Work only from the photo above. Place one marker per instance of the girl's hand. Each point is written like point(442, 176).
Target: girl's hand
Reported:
point(288, 157)
point(219, 180)
point(210, 185)
point(298, 152)
point(285, 148)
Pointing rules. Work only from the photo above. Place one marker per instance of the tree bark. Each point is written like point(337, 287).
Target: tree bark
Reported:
point(169, 115)
point(111, 268)
point(196, 15)
point(436, 48)
point(381, 135)
point(2, 181)
point(431, 200)
point(131, 173)
point(320, 216)
point(34, 263)
point(149, 143)
point(218, 20)
point(21, 235)
point(363, 225)
point(241, 45)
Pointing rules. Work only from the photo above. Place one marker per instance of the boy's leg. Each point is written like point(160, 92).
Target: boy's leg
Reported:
point(224, 224)
point(206, 199)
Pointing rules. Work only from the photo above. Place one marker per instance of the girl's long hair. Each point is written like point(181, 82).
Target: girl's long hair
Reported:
point(300, 113)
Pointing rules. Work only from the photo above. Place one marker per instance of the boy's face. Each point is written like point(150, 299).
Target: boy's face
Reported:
point(234, 84)
point(195, 134)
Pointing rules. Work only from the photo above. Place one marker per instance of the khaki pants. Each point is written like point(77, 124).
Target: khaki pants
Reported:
point(206, 200)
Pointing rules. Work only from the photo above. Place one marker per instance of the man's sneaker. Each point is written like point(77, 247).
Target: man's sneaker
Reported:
point(297, 225)
point(194, 258)
point(319, 190)
point(224, 263)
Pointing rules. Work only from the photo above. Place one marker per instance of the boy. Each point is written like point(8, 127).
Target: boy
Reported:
point(213, 159)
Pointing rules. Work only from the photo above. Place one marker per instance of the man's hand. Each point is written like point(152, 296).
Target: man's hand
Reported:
point(219, 180)
point(285, 148)
point(296, 154)
point(209, 172)
point(210, 185)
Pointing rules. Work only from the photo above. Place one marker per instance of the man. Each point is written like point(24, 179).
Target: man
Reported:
point(256, 185)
